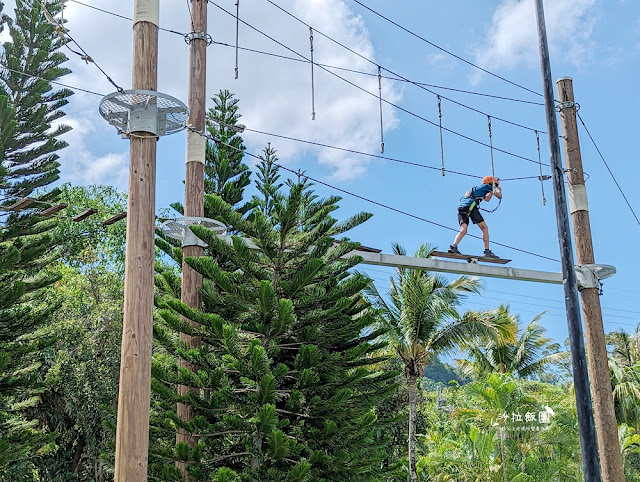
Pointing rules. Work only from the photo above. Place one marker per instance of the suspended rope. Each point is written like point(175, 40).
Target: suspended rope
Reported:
point(313, 101)
point(380, 97)
point(544, 199)
point(440, 127)
point(237, 28)
point(493, 171)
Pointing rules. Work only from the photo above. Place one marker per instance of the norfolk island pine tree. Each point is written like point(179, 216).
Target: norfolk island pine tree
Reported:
point(29, 164)
point(284, 322)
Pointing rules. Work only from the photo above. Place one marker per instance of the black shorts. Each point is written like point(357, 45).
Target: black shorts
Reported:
point(463, 215)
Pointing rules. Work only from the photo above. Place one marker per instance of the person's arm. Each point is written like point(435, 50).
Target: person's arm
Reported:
point(497, 191)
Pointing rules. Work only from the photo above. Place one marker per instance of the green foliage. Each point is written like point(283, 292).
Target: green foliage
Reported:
point(480, 436)
point(225, 174)
point(624, 364)
point(287, 392)
point(528, 355)
point(28, 146)
point(422, 322)
point(89, 243)
point(83, 374)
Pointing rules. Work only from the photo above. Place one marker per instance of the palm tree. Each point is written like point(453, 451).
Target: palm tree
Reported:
point(529, 354)
point(624, 363)
point(423, 323)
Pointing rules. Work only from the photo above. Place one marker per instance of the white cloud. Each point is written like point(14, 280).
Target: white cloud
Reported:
point(512, 39)
point(82, 165)
point(275, 94)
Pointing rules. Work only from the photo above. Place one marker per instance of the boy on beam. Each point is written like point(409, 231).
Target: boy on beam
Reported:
point(468, 209)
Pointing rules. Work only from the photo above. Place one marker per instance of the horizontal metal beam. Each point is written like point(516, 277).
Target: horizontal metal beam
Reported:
point(432, 264)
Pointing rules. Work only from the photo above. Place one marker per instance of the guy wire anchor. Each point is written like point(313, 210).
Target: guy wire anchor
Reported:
point(179, 229)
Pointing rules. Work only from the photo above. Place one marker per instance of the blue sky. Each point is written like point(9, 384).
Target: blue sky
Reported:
point(595, 42)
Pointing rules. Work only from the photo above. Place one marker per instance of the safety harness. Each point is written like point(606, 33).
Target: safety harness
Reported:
point(477, 200)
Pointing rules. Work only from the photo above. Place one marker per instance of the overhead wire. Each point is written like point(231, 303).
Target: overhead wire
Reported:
point(3, 65)
point(353, 151)
point(447, 51)
point(63, 32)
point(193, 28)
point(375, 95)
point(371, 74)
point(608, 168)
point(122, 16)
point(546, 309)
point(294, 139)
point(317, 181)
point(364, 57)
point(286, 57)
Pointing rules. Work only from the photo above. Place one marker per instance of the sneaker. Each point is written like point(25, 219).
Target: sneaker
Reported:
point(453, 250)
point(489, 254)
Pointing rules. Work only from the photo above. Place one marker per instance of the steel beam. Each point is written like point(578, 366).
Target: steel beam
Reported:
point(433, 264)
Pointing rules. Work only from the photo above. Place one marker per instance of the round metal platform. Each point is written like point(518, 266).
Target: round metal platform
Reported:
point(179, 229)
point(144, 111)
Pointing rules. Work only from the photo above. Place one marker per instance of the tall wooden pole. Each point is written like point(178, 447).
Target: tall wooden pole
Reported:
point(603, 408)
point(194, 184)
point(132, 432)
point(590, 463)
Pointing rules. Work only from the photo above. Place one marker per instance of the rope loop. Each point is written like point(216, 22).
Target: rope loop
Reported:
point(493, 171)
point(544, 199)
point(313, 100)
point(380, 98)
point(237, 28)
point(440, 128)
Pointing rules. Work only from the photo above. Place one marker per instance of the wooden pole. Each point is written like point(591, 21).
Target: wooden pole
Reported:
point(603, 408)
point(194, 186)
point(586, 428)
point(132, 432)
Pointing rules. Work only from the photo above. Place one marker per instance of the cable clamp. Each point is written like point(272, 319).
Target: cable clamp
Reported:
point(544, 178)
point(567, 105)
point(188, 37)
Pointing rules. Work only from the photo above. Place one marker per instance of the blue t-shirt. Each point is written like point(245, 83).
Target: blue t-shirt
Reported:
point(476, 193)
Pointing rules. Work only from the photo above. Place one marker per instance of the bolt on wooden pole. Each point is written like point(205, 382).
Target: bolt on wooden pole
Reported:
point(132, 432)
point(603, 408)
point(586, 428)
point(194, 186)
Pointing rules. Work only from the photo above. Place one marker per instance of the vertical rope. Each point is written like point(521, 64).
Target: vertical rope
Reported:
point(313, 101)
point(493, 171)
point(544, 200)
point(440, 125)
point(380, 98)
point(237, 28)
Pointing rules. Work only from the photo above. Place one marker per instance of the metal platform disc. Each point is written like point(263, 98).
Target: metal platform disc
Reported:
point(470, 257)
point(144, 111)
point(179, 229)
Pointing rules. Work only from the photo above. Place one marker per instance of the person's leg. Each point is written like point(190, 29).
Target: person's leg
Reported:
point(485, 234)
point(461, 234)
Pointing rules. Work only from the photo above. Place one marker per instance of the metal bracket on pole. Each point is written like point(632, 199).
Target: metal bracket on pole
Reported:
point(567, 105)
point(188, 37)
point(589, 275)
point(179, 229)
point(144, 111)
